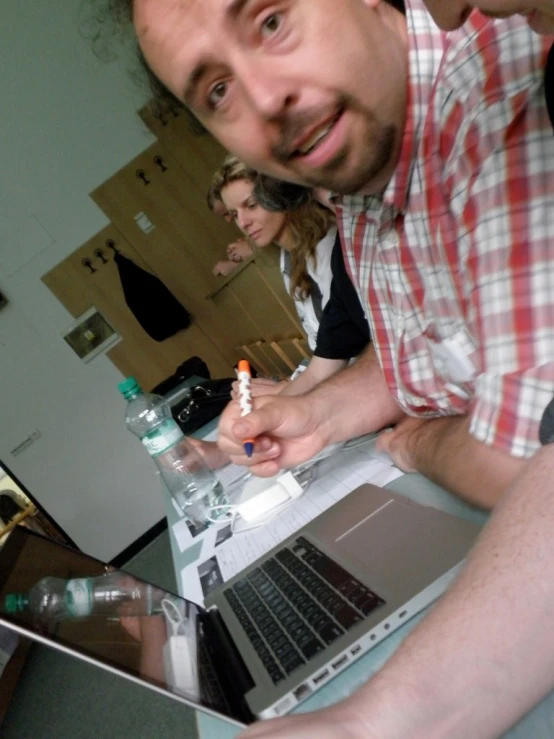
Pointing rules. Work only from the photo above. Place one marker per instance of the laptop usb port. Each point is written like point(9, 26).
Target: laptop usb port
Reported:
point(340, 662)
point(302, 692)
point(355, 650)
point(321, 676)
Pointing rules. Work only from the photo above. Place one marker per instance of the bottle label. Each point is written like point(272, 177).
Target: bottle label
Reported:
point(162, 438)
point(78, 596)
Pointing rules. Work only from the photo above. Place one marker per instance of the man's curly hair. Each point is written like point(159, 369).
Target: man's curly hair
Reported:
point(105, 24)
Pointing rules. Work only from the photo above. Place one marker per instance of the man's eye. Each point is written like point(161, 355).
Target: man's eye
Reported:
point(216, 94)
point(271, 24)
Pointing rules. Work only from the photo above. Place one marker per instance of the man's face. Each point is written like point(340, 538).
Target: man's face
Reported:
point(311, 91)
point(450, 14)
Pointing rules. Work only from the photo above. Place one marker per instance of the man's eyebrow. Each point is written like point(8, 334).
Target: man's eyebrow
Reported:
point(193, 80)
point(235, 8)
point(232, 12)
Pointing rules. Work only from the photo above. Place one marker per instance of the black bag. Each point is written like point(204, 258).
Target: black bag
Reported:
point(202, 403)
point(188, 368)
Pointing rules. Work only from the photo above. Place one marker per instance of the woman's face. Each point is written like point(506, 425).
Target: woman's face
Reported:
point(260, 225)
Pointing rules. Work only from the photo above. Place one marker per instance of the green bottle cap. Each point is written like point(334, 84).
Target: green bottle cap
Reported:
point(129, 387)
point(15, 602)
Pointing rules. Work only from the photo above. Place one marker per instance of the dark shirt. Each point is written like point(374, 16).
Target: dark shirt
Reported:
point(549, 84)
point(343, 329)
point(546, 429)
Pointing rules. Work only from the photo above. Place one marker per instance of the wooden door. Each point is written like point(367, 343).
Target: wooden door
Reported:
point(77, 288)
point(160, 209)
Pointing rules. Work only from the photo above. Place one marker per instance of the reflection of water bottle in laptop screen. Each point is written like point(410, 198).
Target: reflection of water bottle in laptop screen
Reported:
point(190, 481)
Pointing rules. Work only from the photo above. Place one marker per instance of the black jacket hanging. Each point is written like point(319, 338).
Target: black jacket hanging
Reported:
point(156, 309)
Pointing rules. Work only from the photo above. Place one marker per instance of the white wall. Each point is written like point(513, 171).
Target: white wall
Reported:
point(67, 122)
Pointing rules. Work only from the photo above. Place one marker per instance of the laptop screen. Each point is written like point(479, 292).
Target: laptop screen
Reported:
point(73, 602)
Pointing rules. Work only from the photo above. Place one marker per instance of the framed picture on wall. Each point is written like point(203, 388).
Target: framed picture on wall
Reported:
point(90, 335)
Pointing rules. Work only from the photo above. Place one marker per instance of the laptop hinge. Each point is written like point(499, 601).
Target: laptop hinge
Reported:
point(228, 664)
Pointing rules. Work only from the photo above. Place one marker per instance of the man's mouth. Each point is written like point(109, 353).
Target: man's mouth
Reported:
point(315, 137)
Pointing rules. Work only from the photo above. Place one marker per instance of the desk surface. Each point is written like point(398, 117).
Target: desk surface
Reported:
point(538, 725)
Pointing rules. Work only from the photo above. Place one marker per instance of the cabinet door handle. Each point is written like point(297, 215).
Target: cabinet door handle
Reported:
point(86, 262)
point(141, 174)
point(160, 163)
point(161, 118)
point(110, 243)
point(100, 255)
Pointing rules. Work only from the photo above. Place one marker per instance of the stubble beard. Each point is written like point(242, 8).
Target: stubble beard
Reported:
point(348, 173)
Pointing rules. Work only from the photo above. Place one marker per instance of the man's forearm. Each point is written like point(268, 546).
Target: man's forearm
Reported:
point(357, 400)
point(318, 370)
point(484, 656)
point(443, 450)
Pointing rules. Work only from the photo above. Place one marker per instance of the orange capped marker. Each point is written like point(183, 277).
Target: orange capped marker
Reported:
point(244, 376)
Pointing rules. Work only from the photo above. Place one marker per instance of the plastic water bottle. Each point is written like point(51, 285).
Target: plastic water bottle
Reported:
point(54, 599)
point(193, 485)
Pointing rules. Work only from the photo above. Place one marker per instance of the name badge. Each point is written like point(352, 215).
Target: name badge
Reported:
point(452, 360)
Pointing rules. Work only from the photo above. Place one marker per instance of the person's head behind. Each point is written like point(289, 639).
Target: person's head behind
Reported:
point(310, 91)
point(450, 14)
point(217, 206)
point(295, 224)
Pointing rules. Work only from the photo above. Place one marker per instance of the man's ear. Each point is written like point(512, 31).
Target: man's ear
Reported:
point(371, 3)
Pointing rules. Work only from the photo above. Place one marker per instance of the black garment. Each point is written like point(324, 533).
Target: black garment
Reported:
point(549, 84)
point(546, 429)
point(343, 329)
point(156, 309)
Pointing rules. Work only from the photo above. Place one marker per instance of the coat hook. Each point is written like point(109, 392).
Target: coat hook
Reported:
point(110, 243)
point(86, 262)
point(141, 174)
point(160, 162)
point(100, 255)
point(160, 117)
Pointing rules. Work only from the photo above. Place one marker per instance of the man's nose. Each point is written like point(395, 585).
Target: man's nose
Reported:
point(269, 91)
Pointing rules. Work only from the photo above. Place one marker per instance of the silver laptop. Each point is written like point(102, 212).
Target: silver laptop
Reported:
point(277, 632)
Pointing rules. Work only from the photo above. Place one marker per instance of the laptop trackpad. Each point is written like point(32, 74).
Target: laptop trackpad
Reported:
point(382, 531)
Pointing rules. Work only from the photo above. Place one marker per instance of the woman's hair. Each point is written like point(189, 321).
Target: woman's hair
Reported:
point(307, 220)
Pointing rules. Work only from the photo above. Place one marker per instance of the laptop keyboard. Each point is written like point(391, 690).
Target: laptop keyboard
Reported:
point(297, 603)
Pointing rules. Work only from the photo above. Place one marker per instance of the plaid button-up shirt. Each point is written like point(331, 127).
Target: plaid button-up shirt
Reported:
point(455, 261)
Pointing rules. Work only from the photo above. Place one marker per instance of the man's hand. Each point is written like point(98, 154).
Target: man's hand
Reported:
point(342, 721)
point(444, 450)
point(286, 430)
point(398, 442)
point(260, 386)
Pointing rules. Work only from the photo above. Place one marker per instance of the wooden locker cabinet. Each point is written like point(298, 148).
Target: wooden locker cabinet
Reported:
point(137, 354)
point(201, 154)
point(196, 152)
point(182, 245)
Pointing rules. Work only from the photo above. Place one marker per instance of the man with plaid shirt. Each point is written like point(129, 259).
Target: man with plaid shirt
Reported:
point(451, 257)
point(445, 142)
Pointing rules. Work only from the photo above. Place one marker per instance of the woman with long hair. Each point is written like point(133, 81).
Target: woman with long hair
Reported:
point(305, 235)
